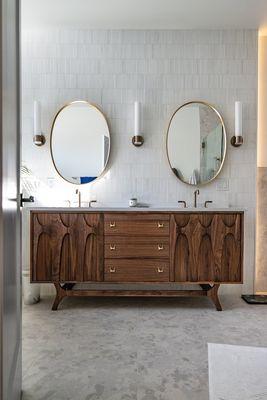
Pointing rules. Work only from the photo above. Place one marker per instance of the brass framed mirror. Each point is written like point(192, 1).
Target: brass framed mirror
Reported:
point(196, 143)
point(80, 142)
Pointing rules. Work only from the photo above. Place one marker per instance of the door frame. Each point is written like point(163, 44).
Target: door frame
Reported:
point(10, 385)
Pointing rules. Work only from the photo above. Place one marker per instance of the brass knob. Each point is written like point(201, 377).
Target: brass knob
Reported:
point(112, 269)
point(160, 224)
point(112, 247)
point(112, 224)
point(160, 270)
point(160, 247)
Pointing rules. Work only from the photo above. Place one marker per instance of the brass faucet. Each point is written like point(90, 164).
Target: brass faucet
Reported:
point(79, 197)
point(196, 193)
point(91, 202)
point(207, 202)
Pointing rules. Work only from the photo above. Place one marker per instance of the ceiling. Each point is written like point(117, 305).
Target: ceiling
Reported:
point(145, 14)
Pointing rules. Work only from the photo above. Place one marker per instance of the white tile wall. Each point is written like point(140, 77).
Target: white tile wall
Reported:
point(162, 69)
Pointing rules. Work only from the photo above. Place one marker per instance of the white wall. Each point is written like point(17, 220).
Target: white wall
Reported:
point(162, 69)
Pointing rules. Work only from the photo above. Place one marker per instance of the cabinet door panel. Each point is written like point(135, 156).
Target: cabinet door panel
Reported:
point(206, 247)
point(66, 247)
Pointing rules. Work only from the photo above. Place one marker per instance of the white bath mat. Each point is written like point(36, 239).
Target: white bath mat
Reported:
point(237, 372)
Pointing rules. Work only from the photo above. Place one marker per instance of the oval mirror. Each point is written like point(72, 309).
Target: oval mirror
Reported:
point(80, 142)
point(196, 143)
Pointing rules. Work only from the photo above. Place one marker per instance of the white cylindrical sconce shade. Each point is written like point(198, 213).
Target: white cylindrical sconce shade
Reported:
point(38, 137)
point(137, 116)
point(137, 139)
point(238, 118)
point(36, 118)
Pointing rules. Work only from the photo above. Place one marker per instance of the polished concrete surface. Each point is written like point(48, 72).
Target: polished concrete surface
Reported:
point(123, 349)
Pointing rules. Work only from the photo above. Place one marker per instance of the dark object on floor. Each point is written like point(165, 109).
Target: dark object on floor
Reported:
point(255, 298)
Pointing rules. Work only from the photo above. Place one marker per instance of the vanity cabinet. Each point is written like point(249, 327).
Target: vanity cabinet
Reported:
point(136, 247)
point(206, 247)
point(66, 247)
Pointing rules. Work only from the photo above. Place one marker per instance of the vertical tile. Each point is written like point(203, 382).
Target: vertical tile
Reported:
point(162, 69)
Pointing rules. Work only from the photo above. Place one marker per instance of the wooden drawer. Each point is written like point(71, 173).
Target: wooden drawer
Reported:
point(137, 247)
point(136, 270)
point(137, 224)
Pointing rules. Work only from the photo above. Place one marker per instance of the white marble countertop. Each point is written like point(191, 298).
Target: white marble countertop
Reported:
point(136, 209)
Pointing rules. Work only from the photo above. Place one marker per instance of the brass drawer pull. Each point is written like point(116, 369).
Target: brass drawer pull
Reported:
point(160, 247)
point(160, 270)
point(112, 224)
point(160, 225)
point(112, 247)
point(112, 269)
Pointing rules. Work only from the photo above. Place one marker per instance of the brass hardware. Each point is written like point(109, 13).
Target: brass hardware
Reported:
point(79, 197)
point(206, 203)
point(182, 202)
point(112, 224)
point(160, 225)
point(112, 247)
point(91, 202)
point(160, 270)
point(160, 247)
point(196, 192)
point(236, 141)
point(137, 140)
point(112, 270)
point(39, 140)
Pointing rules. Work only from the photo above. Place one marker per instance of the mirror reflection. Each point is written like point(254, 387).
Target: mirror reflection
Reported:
point(196, 143)
point(80, 142)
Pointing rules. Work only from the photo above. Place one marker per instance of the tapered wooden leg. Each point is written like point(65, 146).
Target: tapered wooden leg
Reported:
point(61, 293)
point(213, 295)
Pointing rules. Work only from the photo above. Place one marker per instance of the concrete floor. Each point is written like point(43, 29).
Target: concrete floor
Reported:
point(123, 349)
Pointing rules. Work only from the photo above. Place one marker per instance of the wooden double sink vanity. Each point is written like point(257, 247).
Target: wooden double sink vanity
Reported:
point(137, 251)
point(113, 250)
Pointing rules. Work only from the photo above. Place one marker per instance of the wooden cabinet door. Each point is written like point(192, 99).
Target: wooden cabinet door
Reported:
point(206, 247)
point(66, 247)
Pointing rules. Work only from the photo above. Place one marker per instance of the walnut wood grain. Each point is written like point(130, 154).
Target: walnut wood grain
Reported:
point(140, 270)
point(212, 293)
point(206, 248)
point(136, 216)
point(137, 247)
point(137, 224)
point(209, 291)
point(66, 247)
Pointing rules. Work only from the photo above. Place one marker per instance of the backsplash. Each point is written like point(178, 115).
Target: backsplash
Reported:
point(162, 70)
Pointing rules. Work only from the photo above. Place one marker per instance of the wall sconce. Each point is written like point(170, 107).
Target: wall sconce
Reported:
point(237, 139)
point(137, 139)
point(38, 137)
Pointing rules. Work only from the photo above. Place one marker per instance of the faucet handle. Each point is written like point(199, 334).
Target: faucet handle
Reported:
point(182, 202)
point(207, 202)
point(91, 202)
